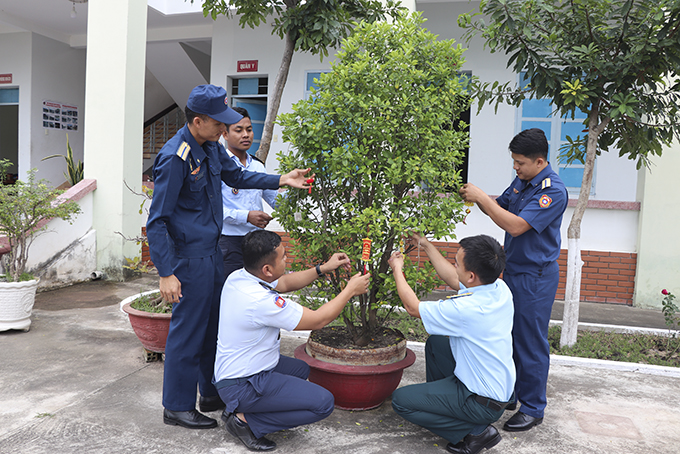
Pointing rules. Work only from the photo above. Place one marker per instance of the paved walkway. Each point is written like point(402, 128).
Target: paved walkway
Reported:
point(77, 383)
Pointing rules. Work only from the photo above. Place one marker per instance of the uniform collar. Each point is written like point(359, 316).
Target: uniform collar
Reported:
point(235, 158)
point(197, 151)
point(535, 181)
point(267, 285)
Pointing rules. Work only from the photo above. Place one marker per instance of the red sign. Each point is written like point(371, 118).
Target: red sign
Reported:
point(5, 78)
point(246, 66)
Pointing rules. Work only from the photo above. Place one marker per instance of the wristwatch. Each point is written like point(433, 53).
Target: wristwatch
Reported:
point(318, 270)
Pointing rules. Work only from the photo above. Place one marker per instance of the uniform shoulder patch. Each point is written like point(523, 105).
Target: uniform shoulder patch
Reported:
point(460, 295)
point(183, 151)
point(279, 301)
point(546, 183)
point(544, 201)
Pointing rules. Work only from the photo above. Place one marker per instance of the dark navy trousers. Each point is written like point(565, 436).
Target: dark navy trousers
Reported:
point(533, 298)
point(192, 339)
point(278, 399)
point(232, 254)
point(443, 405)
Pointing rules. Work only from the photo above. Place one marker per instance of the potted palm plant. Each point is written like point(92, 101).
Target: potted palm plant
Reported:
point(25, 208)
point(383, 136)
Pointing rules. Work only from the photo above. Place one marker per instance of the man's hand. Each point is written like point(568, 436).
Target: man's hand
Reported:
point(471, 193)
point(339, 259)
point(259, 218)
point(396, 262)
point(417, 239)
point(358, 284)
point(296, 179)
point(171, 288)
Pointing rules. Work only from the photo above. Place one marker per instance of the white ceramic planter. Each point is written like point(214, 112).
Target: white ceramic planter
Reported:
point(16, 304)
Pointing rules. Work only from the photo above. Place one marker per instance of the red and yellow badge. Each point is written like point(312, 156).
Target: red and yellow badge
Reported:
point(279, 301)
point(544, 201)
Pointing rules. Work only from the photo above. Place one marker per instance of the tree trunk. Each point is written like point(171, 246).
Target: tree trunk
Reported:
point(275, 99)
point(572, 294)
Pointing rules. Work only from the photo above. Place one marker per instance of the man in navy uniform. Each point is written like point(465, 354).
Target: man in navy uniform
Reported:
point(265, 391)
point(242, 207)
point(183, 231)
point(469, 368)
point(530, 211)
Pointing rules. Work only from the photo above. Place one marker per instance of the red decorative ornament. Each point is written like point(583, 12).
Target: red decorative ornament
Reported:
point(365, 252)
point(310, 181)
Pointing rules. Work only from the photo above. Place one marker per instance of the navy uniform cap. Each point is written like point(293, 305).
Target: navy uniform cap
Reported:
point(211, 100)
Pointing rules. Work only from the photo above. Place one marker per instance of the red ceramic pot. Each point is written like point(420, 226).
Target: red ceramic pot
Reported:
point(356, 387)
point(151, 329)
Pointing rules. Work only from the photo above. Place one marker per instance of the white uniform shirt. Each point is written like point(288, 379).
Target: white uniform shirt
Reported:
point(236, 203)
point(251, 316)
point(478, 322)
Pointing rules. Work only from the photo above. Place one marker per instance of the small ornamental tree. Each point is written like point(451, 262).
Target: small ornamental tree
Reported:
point(304, 25)
point(383, 137)
point(618, 61)
point(25, 207)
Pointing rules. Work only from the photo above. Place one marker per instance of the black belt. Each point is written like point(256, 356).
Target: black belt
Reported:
point(490, 403)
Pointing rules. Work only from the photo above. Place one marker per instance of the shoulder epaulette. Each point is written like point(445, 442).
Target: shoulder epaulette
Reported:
point(257, 159)
point(460, 295)
point(546, 183)
point(183, 151)
point(268, 287)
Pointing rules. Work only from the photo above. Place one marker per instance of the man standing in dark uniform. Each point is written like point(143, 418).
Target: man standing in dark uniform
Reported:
point(530, 211)
point(183, 231)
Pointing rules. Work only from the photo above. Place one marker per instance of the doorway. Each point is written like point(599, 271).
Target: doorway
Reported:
point(9, 129)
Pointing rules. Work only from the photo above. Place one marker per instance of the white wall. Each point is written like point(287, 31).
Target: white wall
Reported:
point(658, 260)
point(66, 253)
point(57, 74)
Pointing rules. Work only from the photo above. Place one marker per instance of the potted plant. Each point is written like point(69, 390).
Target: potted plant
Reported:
point(382, 135)
point(148, 312)
point(150, 317)
point(25, 208)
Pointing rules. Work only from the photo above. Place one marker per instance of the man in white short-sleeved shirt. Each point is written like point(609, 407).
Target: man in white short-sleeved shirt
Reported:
point(265, 392)
point(469, 368)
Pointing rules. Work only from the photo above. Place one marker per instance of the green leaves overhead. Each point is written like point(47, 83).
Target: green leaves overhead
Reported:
point(313, 25)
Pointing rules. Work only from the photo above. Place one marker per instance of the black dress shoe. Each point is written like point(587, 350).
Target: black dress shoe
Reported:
point(191, 419)
point(521, 421)
point(210, 403)
point(225, 415)
point(472, 444)
point(240, 430)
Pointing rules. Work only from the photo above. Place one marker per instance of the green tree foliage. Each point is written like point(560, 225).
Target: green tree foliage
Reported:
point(25, 208)
point(382, 136)
point(305, 25)
point(615, 60)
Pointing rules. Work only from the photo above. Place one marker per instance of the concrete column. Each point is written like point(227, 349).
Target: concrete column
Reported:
point(658, 261)
point(114, 120)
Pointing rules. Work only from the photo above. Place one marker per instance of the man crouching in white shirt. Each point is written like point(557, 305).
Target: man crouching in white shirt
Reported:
point(265, 392)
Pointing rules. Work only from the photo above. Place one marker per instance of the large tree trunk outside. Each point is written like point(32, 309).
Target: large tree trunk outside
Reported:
point(572, 294)
point(275, 99)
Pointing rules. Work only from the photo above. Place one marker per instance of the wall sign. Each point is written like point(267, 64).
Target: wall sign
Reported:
point(5, 78)
point(57, 115)
point(246, 66)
